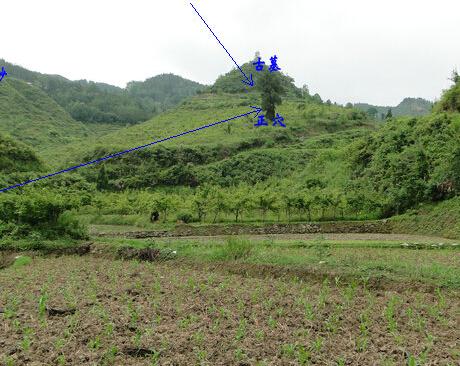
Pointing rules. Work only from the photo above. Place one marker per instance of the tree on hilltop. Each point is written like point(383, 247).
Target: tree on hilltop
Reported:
point(271, 87)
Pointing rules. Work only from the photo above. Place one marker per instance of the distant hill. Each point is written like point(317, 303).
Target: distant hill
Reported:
point(408, 107)
point(162, 91)
point(88, 101)
point(31, 116)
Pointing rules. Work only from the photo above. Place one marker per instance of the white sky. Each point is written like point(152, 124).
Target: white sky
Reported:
point(356, 50)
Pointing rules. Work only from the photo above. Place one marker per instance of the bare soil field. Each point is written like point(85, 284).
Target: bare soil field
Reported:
point(75, 310)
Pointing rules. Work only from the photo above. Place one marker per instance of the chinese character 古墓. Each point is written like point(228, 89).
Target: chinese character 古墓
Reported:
point(274, 66)
point(259, 64)
point(278, 120)
point(3, 73)
point(261, 121)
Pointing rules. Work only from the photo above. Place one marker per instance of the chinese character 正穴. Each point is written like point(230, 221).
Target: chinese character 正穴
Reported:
point(278, 120)
point(274, 64)
point(261, 121)
point(3, 73)
point(259, 64)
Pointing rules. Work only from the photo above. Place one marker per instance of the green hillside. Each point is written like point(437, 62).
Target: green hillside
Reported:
point(329, 162)
point(16, 156)
point(29, 115)
point(162, 91)
point(408, 107)
point(209, 154)
point(89, 101)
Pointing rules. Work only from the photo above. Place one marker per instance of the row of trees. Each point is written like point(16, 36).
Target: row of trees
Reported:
point(254, 203)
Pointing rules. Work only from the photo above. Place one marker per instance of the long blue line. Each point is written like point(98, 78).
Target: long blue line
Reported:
point(257, 110)
point(250, 81)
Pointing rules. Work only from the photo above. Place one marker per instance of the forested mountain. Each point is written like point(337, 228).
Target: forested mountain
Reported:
point(408, 107)
point(30, 115)
point(88, 101)
point(162, 91)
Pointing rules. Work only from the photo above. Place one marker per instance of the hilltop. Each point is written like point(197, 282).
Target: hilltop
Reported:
point(408, 107)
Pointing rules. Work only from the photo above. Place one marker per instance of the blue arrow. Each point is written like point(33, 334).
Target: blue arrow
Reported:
point(256, 110)
point(247, 80)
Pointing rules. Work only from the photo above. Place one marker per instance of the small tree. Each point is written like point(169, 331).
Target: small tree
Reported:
point(289, 200)
point(238, 202)
point(389, 114)
point(200, 202)
point(102, 182)
point(162, 204)
point(270, 85)
point(372, 112)
point(455, 77)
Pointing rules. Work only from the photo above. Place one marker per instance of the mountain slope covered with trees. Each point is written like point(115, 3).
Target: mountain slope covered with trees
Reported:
point(93, 102)
point(408, 107)
point(31, 116)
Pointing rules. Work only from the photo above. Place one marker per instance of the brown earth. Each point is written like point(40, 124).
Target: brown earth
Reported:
point(378, 226)
point(131, 313)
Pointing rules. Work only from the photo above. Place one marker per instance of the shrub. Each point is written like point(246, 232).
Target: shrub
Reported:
point(235, 249)
point(69, 225)
point(185, 217)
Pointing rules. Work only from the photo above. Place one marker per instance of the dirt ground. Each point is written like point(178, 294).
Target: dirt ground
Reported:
point(339, 237)
point(86, 310)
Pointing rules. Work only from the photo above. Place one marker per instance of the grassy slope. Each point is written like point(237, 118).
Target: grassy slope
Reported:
point(303, 121)
point(29, 115)
point(433, 219)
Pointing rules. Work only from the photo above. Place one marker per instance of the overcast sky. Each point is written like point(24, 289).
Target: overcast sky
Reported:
point(356, 50)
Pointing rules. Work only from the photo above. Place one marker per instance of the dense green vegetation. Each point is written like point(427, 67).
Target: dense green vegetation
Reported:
point(162, 91)
point(16, 156)
point(31, 116)
point(330, 163)
point(88, 101)
point(409, 161)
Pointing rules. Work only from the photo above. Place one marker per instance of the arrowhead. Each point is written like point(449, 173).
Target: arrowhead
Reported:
point(248, 80)
point(256, 109)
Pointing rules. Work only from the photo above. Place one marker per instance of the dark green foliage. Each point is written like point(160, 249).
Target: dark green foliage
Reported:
point(271, 89)
point(102, 181)
point(231, 82)
point(372, 112)
point(389, 114)
point(455, 78)
point(251, 167)
point(185, 217)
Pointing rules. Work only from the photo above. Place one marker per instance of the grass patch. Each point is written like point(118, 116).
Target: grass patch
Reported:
point(22, 260)
point(234, 249)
